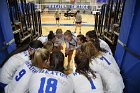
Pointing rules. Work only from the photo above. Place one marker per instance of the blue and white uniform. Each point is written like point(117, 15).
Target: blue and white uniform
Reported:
point(73, 43)
point(59, 41)
point(83, 85)
point(11, 66)
point(20, 81)
point(104, 45)
point(50, 82)
point(110, 73)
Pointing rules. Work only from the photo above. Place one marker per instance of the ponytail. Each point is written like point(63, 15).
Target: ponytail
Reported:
point(95, 40)
point(96, 43)
point(57, 61)
point(82, 61)
point(82, 38)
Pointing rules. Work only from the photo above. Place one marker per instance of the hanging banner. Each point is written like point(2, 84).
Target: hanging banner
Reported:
point(60, 6)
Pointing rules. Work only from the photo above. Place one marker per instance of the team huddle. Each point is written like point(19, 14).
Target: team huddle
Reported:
point(40, 68)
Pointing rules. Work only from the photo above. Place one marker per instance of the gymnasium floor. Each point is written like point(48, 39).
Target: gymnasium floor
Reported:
point(48, 23)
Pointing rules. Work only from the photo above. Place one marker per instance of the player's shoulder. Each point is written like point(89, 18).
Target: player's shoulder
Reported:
point(43, 38)
point(15, 56)
point(28, 67)
point(107, 55)
point(74, 34)
point(13, 60)
point(58, 74)
point(51, 73)
point(74, 74)
point(22, 55)
point(102, 41)
point(25, 53)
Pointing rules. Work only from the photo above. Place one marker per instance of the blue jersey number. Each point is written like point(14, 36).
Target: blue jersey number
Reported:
point(103, 58)
point(92, 85)
point(51, 85)
point(20, 75)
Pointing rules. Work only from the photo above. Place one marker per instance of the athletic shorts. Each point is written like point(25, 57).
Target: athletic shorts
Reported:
point(78, 22)
point(57, 18)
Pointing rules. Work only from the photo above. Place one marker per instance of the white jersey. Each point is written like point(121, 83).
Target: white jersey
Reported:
point(43, 39)
point(83, 85)
point(73, 43)
point(111, 59)
point(110, 74)
point(11, 66)
point(59, 41)
point(50, 82)
point(105, 46)
point(78, 17)
point(20, 81)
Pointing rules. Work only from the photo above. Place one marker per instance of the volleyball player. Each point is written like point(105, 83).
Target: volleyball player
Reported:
point(49, 46)
point(57, 17)
point(91, 35)
point(71, 44)
point(17, 60)
point(49, 37)
point(85, 80)
point(106, 67)
point(20, 81)
point(43, 39)
point(59, 40)
point(78, 21)
point(81, 39)
point(53, 81)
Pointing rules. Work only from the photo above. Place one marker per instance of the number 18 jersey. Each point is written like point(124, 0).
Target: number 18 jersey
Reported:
point(50, 82)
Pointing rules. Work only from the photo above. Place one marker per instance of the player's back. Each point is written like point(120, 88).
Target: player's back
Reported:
point(109, 74)
point(19, 83)
point(43, 39)
point(111, 59)
point(83, 85)
point(105, 46)
point(50, 82)
point(11, 66)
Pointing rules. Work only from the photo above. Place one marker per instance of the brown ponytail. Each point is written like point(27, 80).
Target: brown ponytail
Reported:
point(90, 50)
point(95, 40)
point(82, 61)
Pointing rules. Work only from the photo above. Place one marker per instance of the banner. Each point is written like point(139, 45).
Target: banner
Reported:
point(60, 6)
